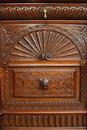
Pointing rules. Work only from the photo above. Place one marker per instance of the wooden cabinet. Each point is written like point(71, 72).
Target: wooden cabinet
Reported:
point(43, 65)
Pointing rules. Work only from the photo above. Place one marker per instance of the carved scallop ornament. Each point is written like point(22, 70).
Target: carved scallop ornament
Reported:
point(46, 44)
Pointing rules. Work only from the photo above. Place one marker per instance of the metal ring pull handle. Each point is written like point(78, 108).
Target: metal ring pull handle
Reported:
point(45, 13)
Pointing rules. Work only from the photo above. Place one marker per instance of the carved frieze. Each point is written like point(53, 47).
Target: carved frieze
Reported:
point(36, 12)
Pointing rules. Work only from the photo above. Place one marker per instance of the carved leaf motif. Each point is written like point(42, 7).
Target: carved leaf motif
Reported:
point(45, 44)
point(4, 46)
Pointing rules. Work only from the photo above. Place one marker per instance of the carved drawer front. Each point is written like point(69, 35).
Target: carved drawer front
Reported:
point(56, 84)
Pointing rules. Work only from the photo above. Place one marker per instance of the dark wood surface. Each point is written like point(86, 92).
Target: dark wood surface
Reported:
point(43, 1)
point(53, 128)
point(25, 102)
point(43, 66)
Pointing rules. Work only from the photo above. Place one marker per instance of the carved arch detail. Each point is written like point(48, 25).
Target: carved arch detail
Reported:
point(47, 42)
point(15, 39)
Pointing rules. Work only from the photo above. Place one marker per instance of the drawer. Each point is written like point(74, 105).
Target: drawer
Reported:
point(42, 85)
point(56, 82)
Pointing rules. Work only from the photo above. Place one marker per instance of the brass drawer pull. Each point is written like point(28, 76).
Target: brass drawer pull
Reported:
point(45, 13)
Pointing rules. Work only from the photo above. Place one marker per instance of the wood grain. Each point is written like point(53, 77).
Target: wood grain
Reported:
point(44, 120)
point(34, 48)
point(42, 1)
point(41, 128)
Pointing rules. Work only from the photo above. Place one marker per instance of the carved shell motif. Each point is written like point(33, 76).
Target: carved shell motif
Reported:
point(45, 45)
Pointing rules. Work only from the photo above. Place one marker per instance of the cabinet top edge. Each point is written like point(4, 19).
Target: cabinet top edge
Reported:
point(32, 11)
point(44, 4)
point(43, 1)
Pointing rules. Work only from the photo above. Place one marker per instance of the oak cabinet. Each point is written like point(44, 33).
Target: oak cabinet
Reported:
point(43, 66)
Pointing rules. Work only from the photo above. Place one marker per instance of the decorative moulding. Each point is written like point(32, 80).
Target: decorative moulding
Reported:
point(43, 11)
point(42, 1)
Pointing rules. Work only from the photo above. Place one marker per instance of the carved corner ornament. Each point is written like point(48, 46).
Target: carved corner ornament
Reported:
point(3, 63)
point(4, 47)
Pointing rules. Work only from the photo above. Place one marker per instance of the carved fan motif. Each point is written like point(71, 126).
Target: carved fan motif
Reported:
point(45, 45)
